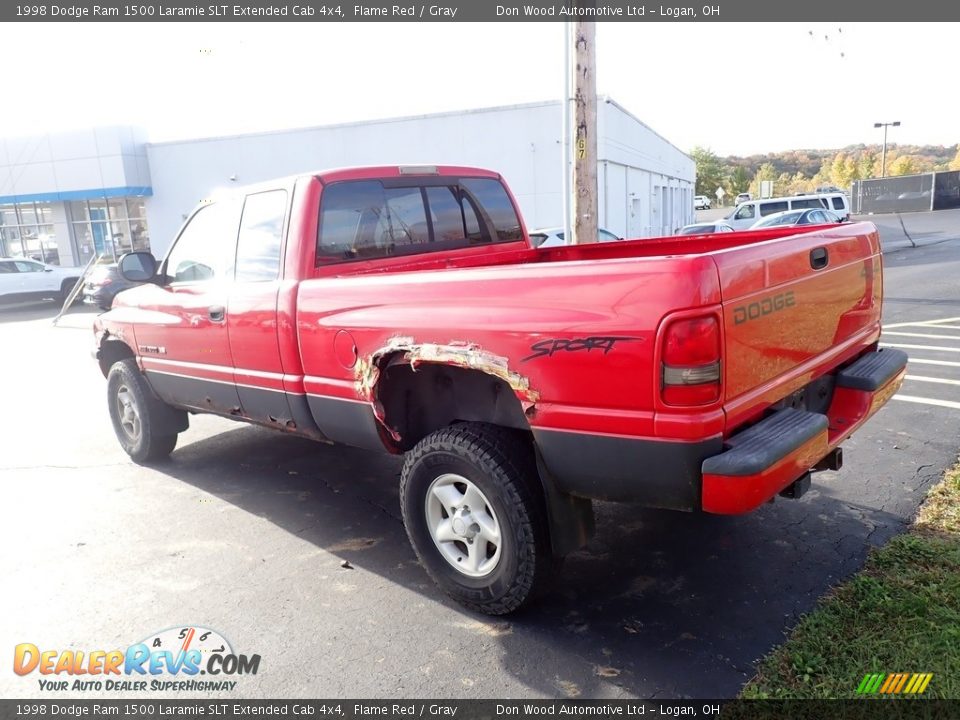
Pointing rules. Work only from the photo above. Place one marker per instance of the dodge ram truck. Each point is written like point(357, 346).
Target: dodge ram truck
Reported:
point(403, 309)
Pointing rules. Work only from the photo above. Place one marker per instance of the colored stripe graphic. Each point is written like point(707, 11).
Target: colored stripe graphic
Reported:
point(894, 683)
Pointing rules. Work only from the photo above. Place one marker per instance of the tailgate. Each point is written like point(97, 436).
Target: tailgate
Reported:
point(794, 308)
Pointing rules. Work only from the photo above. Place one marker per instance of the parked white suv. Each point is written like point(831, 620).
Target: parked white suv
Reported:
point(748, 213)
point(22, 280)
point(701, 202)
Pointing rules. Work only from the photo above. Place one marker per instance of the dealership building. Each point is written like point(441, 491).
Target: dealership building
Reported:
point(103, 191)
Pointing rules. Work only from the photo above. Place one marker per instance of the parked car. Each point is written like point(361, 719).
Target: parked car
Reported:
point(23, 280)
point(816, 216)
point(705, 228)
point(742, 198)
point(553, 237)
point(102, 284)
point(701, 202)
point(748, 213)
point(520, 385)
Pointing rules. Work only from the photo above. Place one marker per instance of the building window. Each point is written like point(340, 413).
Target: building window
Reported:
point(110, 227)
point(26, 230)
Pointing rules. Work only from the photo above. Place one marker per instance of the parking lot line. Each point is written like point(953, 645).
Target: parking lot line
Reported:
point(924, 378)
point(927, 330)
point(922, 322)
point(944, 363)
point(923, 335)
point(921, 347)
point(928, 401)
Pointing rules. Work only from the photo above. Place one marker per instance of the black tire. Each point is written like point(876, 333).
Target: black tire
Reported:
point(500, 463)
point(66, 287)
point(138, 438)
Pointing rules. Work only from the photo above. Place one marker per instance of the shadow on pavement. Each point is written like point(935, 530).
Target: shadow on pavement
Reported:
point(43, 310)
point(659, 604)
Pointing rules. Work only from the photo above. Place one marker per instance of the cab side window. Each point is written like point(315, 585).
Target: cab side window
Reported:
point(745, 213)
point(261, 236)
point(772, 207)
point(205, 249)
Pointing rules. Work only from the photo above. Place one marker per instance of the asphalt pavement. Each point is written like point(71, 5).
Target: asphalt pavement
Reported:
point(295, 551)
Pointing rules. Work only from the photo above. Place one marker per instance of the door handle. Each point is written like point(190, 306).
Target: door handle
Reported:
point(819, 258)
point(216, 313)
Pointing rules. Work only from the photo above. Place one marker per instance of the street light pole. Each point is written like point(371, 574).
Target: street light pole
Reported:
point(883, 154)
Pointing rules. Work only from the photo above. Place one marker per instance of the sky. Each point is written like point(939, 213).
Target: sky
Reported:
point(737, 88)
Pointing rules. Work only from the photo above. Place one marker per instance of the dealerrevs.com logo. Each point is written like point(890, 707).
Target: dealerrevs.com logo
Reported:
point(170, 660)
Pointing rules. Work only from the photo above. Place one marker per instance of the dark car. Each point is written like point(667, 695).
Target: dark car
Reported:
point(102, 285)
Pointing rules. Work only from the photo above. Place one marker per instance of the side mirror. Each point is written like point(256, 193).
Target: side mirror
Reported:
point(138, 266)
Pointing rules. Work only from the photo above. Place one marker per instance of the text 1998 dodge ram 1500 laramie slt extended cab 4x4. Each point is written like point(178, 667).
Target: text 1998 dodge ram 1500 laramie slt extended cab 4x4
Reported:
point(403, 309)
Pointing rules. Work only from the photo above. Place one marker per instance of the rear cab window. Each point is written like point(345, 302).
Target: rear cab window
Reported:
point(261, 236)
point(369, 219)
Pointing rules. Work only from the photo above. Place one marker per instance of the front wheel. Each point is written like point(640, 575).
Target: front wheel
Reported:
point(474, 517)
point(134, 411)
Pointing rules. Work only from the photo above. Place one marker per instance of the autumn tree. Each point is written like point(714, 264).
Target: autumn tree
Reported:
point(903, 165)
point(866, 165)
point(955, 163)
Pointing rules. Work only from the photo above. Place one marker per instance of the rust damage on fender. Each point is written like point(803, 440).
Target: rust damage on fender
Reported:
point(403, 350)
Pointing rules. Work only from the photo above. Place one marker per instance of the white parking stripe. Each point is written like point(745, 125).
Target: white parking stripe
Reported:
point(923, 322)
point(946, 363)
point(922, 335)
point(928, 401)
point(921, 347)
point(924, 378)
point(945, 327)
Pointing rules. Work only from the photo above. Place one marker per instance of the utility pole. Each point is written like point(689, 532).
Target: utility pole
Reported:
point(584, 133)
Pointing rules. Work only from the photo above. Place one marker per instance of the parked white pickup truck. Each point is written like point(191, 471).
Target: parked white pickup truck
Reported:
point(701, 202)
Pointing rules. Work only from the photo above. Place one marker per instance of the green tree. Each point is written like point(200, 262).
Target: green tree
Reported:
point(766, 172)
point(740, 179)
point(709, 171)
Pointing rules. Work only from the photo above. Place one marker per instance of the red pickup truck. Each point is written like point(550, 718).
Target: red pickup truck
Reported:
point(404, 309)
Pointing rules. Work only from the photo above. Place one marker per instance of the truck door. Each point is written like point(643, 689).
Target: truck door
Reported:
point(181, 326)
point(252, 310)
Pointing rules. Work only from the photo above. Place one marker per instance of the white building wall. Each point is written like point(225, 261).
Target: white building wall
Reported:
point(520, 142)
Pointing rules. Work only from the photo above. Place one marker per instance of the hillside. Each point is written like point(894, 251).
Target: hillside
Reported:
point(796, 171)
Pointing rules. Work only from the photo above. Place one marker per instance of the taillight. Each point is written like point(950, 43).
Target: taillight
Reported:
point(691, 362)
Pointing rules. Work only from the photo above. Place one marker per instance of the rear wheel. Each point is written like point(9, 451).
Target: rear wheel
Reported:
point(474, 517)
point(134, 410)
point(66, 287)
